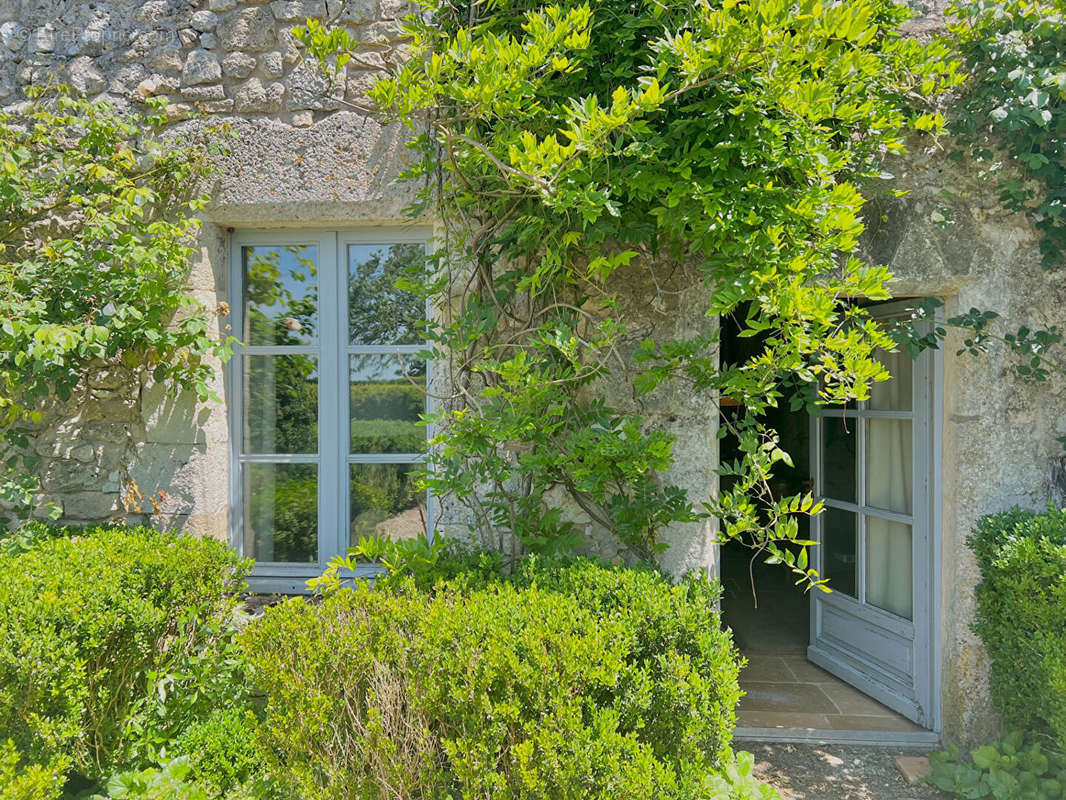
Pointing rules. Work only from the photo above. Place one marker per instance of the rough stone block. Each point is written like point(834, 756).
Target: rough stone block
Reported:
point(156, 85)
point(203, 21)
point(89, 505)
point(358, 12)
point(152, 12)
point(85, 77)
point(200, 67)
point(217, 106)
point(271, 64)
point(238, 65)
point(170, 418)
point(12, 35)
point(194, 477)
point(202, 93)
point(43, 40)
point(310, 89)
point(248, 29)
point(298, 10)
point(168, 60)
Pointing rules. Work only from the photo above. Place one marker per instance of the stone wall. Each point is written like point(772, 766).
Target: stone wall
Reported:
point(213, 56)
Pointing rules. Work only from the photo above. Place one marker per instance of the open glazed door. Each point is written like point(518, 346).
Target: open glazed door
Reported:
point(872, 464)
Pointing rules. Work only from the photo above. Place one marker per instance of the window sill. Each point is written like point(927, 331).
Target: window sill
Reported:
point(261, 581)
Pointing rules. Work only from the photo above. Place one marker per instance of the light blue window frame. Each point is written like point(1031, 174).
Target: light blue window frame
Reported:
point(332, 349)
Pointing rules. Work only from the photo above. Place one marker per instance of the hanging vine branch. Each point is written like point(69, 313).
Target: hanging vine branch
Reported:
point(572, 151)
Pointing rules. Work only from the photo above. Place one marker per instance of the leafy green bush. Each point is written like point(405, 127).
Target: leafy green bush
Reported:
point(1014, 106)
point(19, 781)
point(1012, 769)
point(1021, 616)
point(167, 782)
point(564, 681)
point(89, 624)
point(223, 748)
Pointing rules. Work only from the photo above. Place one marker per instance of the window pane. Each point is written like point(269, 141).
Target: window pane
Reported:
point(281, 512)
point(378, 312)
point(839, 550)
point(888, 464)
point(894, 394)
point(889, 566)
point(281, 404)
point(839, 458)
point(385, 503)
point(280, 294)
point(387, 396)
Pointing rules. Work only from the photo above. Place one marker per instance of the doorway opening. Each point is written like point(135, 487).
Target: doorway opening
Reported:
point(788, 696)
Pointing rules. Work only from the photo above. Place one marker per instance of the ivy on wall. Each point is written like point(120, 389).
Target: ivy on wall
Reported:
point(1013, 111)
point(573, 151)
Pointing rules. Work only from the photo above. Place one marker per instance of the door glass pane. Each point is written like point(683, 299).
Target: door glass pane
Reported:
point(379, 312)
point(281, 512)
point(385, 503)
point(894, 394)
point(281, 404)
point(839, 550)
point(280, 294)
point(889, 566)
point(839, 458)
point(387, 396)
point(889, 476)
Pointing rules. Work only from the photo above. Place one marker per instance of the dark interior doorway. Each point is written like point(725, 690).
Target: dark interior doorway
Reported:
point(767, 611)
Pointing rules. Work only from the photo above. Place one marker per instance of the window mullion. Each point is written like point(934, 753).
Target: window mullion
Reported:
point(328, 401)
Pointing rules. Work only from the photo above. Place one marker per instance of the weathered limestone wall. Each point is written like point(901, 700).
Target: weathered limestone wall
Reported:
point(950, 238)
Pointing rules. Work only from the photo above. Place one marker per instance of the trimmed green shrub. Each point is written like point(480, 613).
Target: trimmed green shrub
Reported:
point(21, 781)
point(88, 624)
point(563, 681)
point(1021, 616)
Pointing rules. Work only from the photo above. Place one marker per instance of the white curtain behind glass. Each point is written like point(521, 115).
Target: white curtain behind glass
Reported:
point(889, 578)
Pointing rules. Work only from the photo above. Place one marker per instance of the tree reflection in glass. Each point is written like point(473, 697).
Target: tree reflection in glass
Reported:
point(280, 294)
point(387, 398)
point(282, 404)
point(385, 502)
point(380, 311)
point(281, 512)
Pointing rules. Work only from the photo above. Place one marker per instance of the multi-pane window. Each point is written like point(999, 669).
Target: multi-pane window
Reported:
point(326, 394)
point(867, 484)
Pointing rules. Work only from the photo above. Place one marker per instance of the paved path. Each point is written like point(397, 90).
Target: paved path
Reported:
point(834, 772)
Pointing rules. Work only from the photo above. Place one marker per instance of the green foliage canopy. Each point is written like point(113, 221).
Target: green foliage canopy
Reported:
point(571, 149)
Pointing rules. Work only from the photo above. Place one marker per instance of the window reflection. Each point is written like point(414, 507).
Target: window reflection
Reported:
point(385, 502)
point(280, 295)
point(281, 512)
point(281, 404)
point(839, 458)
point(840, 550)
point(379, 312)
point(387, 397)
